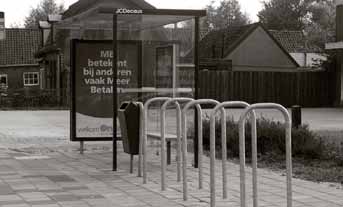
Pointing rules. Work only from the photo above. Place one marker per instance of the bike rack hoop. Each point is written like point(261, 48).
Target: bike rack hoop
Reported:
point(184, 140)
point(222, 107)
point(144, 120)
point(163, 138)
point(288, 135)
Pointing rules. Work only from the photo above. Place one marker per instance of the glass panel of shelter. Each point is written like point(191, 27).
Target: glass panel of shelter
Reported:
point(165, 50)
point(166, 66)
point(163, 64)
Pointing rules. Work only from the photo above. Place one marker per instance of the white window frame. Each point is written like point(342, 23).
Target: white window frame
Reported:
point(31, 84)
point(4, 75)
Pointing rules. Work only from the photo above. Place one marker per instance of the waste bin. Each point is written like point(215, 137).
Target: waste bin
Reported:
point(129, 116)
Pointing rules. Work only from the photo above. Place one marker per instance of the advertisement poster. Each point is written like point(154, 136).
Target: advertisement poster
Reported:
point(92, 85)
point(164, 69)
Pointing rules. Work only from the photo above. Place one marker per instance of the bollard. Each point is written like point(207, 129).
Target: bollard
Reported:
point(131, 164)
point(288, 141)
point(163, 141)
point(82, 145)
point(296, 116)
point(184, 141)
point(145, 131)
point(224, 148)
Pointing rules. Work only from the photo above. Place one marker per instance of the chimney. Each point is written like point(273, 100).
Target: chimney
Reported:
point(2, 26)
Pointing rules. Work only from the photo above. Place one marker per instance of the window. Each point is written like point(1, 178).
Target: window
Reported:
point(31, 78)
point(3, 80)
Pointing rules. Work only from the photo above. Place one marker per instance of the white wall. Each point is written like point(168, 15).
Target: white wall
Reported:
point(308, 59)
point(299, 58)
point(314, 58)
point(261, 52)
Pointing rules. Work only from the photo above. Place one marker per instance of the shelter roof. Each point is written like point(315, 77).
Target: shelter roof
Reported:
point(84, 5)
point(100, 17)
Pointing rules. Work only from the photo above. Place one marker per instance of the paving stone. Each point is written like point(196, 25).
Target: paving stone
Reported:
point(42, 203)
point(73, 204)
point(17, 205)
point(2, 203)
point(46, 205)
point(60, 178)
point(9, 198)
point(34, 196)
point(64, 197)
point(5, 189)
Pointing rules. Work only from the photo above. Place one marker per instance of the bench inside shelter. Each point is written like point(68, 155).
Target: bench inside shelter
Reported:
point(169, 139)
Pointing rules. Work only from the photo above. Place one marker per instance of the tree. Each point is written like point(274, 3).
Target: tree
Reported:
point(315, 17)
point(321, 28)
point(15, 25)
point(41, 12)
point(285, 14)
point(228, 13)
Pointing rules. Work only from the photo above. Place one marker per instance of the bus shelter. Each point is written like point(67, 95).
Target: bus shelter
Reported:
point(134, 54)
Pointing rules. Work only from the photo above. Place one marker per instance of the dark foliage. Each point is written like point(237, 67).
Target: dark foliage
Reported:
point(271, 140)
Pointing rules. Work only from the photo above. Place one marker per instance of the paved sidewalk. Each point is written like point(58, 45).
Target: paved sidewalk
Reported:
point(49, 176)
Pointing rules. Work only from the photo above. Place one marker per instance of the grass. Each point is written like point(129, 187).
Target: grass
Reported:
point(315, 170)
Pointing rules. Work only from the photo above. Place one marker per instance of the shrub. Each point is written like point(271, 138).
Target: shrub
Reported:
point(270, 139)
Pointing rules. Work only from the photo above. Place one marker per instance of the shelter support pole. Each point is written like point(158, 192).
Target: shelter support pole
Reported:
point(114, 94)
point(196, 88)
point(339, 69)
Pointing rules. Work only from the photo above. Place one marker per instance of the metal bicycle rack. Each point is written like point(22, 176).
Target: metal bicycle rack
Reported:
point(222, 107)
point(178, 132)
point(141, 135)
point(181, 122)
point(184, 141)
point(288, 126)
point(144, 119)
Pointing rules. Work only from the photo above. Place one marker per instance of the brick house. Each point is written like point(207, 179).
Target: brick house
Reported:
point(19, 70)
point(296, 44)
point(249, 47)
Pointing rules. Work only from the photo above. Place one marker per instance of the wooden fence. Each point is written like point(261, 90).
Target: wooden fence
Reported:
point(308, 89)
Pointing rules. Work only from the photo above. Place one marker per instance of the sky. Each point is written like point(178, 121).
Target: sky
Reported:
point(15, 14)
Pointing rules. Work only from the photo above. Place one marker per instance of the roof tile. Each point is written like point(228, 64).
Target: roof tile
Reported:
point(218, 43)
point(19, 47)
point(294, 41)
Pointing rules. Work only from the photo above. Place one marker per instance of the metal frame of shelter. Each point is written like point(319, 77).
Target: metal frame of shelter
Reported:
point(105, 15)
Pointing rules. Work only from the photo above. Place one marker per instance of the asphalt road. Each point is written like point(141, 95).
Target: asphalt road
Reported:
point(53, 126)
